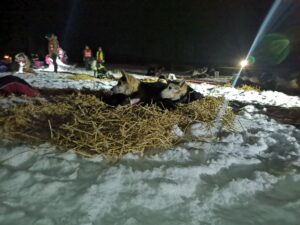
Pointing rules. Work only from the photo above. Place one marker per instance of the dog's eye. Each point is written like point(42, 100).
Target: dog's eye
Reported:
point(170, 87)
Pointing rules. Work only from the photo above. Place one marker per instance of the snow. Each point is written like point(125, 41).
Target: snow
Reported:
point(51, 80)
point(271, 98)
point(189, 184)
point(9, 101)
point(60, 81)
point(250, 175)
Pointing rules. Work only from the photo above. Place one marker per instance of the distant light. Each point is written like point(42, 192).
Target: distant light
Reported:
point(244, 63)
point(6, 59)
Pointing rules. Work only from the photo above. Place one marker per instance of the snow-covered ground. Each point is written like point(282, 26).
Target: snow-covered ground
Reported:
point(250, 176)
point(58, 80)
point(273, 98)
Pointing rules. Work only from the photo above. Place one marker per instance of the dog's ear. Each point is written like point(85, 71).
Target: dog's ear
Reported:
point(125, 76)
point(181, 83)
point(129, 78)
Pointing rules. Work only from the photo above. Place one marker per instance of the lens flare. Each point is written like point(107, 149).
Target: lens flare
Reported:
point(273, 49)
point(244, 63)
point(257, 39)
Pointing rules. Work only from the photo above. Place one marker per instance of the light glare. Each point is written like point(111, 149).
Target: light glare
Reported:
point(244, 63)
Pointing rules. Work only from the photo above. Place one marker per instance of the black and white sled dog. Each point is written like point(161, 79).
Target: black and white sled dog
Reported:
point(131, 90)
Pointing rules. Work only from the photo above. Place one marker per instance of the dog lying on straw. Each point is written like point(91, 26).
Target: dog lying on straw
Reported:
point(131, 90)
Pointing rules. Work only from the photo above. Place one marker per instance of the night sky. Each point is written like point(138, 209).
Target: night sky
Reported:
point(136, 31)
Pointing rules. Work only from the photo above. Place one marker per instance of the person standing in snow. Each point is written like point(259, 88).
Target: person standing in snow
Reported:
point(87, 57)
point(62, 55)
point(94, 67)
point(53, 47)
point(36, 61)
point(100, 62)
point(100, 56)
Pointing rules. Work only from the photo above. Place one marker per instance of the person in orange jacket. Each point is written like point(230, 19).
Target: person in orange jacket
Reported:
point(87, 57)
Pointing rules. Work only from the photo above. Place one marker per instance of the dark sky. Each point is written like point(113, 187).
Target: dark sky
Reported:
point(136, 31)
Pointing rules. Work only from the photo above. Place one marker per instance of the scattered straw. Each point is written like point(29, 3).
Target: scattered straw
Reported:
point(90, 127)
point(246, 87)
point(81, 77)
point(206, 110)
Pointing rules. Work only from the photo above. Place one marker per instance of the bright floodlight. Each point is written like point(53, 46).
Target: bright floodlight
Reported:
point(244, 63)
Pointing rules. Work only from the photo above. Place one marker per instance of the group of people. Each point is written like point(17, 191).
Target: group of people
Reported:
point(90, 62)
point(95, 63)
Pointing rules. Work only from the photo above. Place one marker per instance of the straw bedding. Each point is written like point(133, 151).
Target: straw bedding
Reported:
point(88, 126)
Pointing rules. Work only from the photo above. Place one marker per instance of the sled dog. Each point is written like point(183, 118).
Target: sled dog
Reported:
point(165, 95)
